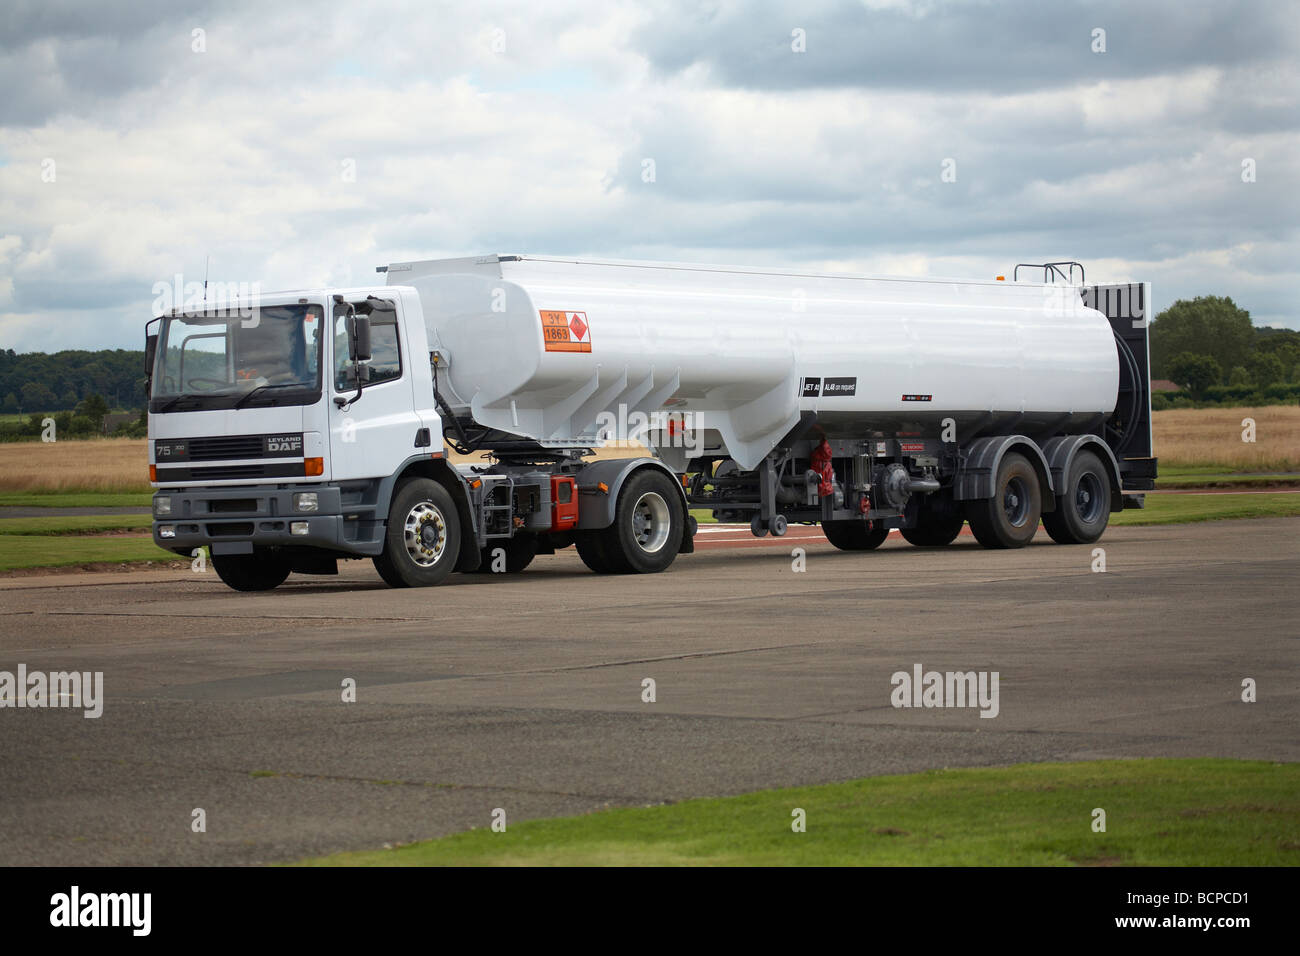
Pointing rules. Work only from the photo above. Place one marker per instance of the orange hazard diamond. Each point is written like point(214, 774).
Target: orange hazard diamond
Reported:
point(577, 326)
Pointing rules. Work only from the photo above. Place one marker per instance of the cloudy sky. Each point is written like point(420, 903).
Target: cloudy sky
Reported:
point(302, 144)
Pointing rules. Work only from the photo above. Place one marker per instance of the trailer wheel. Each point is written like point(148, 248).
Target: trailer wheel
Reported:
point(1083, 507)
point(251, 572)
point(1010, 518)
point(519, 553)
point(423, 539)
point(934, 529)
point(647, 528)
point(854, 535)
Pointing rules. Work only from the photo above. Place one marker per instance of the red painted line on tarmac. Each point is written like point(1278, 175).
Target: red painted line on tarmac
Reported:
point(712, 538)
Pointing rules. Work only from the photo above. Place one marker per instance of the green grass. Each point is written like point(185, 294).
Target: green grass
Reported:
point(59, 499)
point(75, 524)
point(1176, 509)
point(53, 551)
point(1208, 476)
point(1158, 813)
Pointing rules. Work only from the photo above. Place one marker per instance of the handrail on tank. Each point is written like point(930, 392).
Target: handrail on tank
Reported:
point(1050, 270)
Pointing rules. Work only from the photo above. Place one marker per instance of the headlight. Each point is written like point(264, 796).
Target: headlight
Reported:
point(166, 531)
point(306, 501)
point(162, 506)
point(299, 527)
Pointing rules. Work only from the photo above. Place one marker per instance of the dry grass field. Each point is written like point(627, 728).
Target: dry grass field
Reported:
point(1183, 437)
point(1212, 437)
point(92, 465)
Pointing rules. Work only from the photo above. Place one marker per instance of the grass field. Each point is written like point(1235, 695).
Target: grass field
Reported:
point(1158, 813)
point(1211, 437)
point(112, 465)
point(79, 499)
point(75, 524)
point(18, 551)
point(1174, 509)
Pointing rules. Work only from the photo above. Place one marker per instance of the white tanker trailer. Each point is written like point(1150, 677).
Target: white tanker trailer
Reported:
point(863, 404)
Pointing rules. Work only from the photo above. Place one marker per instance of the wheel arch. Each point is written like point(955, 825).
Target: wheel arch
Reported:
point(595, 508)
point(1062, 451)
point(440, 470)
point(982, 459)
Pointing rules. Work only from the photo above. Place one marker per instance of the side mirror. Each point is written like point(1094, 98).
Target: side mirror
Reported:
point(150, 353)
point(359, 338)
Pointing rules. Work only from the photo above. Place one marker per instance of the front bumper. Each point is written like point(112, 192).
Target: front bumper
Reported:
point(237, 520)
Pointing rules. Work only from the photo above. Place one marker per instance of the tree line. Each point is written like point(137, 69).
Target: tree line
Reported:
point(38, 382)
point(1210, 347)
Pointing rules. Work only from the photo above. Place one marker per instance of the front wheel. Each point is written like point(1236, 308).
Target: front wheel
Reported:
point(251, 572)
point(855, 535)
point(1083, 507)
point(423, 538)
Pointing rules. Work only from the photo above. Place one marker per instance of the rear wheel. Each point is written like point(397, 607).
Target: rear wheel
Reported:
point(1083, 507)
point(934, 527)
point(1009, 519)
point(423, 539)
point(251, 572)
point(647, 529)
point(855, 535)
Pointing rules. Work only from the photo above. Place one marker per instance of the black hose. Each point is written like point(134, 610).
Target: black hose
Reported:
point(462, 446)
point(1135, 375)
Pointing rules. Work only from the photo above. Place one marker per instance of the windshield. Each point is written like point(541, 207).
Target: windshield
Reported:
point(228, 360)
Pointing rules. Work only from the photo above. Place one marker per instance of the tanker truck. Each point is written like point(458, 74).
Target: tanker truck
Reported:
point(449, 418)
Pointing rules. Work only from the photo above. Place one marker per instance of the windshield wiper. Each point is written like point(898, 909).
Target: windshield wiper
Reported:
point(175, 401)
point(263, 388)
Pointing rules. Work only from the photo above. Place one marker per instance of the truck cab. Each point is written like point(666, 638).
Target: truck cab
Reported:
point(289, 433)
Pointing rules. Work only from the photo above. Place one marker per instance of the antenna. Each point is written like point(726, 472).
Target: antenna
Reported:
point(206, 261)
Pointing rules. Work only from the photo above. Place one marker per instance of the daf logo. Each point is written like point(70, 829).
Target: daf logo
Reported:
point(284, 443)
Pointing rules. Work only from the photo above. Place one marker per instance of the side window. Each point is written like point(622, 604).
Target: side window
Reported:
point(385, 359)
point(385, 356)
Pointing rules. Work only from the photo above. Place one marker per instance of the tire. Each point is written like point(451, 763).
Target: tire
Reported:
point(647, 529)
point(854, 535)
point(1010, 518)
point(934, 528)
point(427, 554)
point(251, 572)
point(591, 548)
point(1083, 507)
point(519, 553)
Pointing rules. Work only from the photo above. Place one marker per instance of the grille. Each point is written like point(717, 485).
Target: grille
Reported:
point(226, 446)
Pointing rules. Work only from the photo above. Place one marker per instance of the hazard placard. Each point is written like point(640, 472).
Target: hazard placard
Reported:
point(566, 331)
